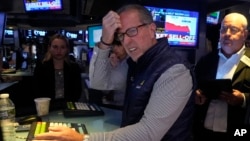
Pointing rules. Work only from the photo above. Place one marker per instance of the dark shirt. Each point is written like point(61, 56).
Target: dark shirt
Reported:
point(44, 81)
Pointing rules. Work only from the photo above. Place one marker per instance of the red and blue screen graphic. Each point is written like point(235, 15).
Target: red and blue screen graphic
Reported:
point(179, 26)
point(42, 5)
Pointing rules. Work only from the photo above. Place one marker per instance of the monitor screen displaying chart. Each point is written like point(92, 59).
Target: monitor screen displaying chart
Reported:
point(179, 26)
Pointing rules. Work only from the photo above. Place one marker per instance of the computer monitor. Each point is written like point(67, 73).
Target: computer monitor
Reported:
point(76, 35)
point(8, 36)
point(9, 33)
point(213, 18)
point(39, 33)
point(178, 25)
point(94, 35)
point(42, 5)
point(2, 26)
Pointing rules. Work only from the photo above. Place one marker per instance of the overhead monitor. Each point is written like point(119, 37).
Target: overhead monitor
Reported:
point(8, 33)
point(39, 33)
point(178, 25)
point(213, 18)
point(42, 5)
point(76, 35)
point(8, 36)
point(94, 35)
point(2, 26)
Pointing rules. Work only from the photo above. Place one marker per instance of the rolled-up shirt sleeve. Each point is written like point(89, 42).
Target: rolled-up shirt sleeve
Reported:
point(102, 75)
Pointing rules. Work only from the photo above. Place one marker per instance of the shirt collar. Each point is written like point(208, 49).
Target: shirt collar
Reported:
point(237, 54)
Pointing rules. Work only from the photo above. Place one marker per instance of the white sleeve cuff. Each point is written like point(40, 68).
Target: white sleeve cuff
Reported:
point(86, 138)
point(244, 101)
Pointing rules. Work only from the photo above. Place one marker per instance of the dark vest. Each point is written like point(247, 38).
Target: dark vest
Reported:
point(141, 78)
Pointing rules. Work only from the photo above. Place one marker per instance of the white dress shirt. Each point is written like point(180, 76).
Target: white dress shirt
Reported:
point(216, 118)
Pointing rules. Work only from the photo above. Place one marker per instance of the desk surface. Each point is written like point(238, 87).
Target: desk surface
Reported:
point(18, 73)
point(110, 121)
point(5, 85)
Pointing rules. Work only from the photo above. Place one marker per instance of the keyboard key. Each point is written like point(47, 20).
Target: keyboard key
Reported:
point(41, 127)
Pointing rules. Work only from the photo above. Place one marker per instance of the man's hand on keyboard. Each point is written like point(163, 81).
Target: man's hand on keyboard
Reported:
point(60, 133)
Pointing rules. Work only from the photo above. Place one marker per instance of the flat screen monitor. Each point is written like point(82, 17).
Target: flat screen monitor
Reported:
point(8, 36)
point(29, 33)
point(74, 35)
point(2, 26)
point(94, 35)
point(8, 33)
point(213, 18)
point(42, 5)
point(179, 26)
point(39, 33)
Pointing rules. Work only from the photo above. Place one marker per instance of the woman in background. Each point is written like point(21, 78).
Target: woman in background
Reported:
point(56, 76)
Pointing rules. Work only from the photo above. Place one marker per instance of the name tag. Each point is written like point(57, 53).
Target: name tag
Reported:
point(245, 60)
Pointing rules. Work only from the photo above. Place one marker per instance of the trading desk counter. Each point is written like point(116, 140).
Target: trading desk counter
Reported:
point(18, 73)
point(109, 121)
point(4, 85)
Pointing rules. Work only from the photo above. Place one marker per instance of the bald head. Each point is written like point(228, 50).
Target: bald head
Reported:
point(241, 19)
point(233, 33)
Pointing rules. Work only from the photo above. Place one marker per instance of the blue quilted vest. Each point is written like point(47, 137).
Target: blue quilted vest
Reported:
point(141, 78)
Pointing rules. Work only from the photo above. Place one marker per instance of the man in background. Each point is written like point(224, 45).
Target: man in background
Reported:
point(219, 117)
point(118, 59)
point(158, 104)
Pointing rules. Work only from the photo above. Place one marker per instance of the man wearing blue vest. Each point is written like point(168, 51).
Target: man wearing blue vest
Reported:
point(159, 83)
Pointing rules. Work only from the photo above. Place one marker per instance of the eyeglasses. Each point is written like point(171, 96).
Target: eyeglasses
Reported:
point(233, 29)
point(131, 32)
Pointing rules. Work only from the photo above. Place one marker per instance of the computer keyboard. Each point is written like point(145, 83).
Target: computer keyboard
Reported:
point(42, 127)
point(82, 109)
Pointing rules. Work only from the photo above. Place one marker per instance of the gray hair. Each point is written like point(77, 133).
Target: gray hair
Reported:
point(144, 14)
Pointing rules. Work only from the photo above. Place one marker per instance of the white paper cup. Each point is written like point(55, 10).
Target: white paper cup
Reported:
point(42, 106)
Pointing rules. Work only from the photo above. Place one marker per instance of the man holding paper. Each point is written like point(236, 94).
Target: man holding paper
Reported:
point(219, 117)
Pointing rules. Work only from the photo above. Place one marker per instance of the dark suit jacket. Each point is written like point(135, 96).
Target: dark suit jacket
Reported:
point(44, 81)
point(205, 69)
